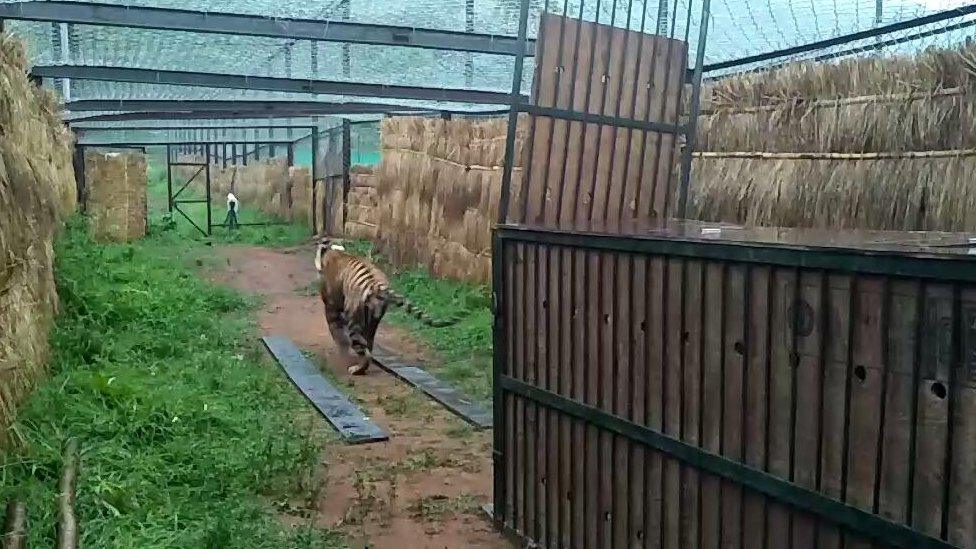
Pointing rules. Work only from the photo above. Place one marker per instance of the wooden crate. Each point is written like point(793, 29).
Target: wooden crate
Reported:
point(701, 386)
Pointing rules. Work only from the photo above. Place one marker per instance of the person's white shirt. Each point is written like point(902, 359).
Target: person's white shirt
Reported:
point(233, 203)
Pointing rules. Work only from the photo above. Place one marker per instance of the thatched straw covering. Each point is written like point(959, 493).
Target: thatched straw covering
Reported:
point(37, 189)
point(885, 143)
point(116, 203)
point(437, 187)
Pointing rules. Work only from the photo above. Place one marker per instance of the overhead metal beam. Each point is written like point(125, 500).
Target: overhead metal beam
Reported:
point(251, 108)
point(164, 142)
point(256, 25)
point(185, 127)
point(844, 39)
point(266, 83)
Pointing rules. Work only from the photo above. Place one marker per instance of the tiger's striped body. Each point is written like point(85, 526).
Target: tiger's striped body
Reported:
point(356, 295)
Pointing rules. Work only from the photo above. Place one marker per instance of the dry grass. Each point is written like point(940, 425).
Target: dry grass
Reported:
point(37, 189)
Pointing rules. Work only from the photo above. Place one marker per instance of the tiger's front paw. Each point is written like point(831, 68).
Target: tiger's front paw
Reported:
point(358, 369)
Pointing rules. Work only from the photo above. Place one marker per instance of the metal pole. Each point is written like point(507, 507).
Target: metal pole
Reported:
point(206, 169)
point(346, 165)
point(315, 178)
point(169, 178)
point(692, 131)
point(516, 99)
point(468, 56)
point(345, 45)
point(662, 17)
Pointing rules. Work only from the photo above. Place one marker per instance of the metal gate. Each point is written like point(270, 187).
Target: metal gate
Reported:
point(201, 174)
point(332, 178)
point(693, 385)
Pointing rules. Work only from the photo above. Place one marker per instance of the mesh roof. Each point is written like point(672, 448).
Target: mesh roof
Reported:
point(737, 28)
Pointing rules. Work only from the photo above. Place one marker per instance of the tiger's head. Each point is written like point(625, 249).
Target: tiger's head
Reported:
point(325, 244)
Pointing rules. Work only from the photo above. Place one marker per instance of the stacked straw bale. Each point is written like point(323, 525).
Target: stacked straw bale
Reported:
point(116, 205)
point(37, 190)
point(438, 186)
point(873, 143)
point(300, 185)
point(361, 203)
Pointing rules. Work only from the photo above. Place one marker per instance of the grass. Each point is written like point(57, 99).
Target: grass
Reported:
point(465, 348)
point(187, 433)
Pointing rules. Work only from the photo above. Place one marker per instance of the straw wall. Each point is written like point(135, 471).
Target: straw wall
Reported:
point(437, 188)
point(37, 190)
point(116, 202)
point(880, 143)
point(361, 204)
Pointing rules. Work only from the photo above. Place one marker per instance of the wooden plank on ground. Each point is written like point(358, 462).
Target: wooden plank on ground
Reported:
point(351, 423)
point(447, 396)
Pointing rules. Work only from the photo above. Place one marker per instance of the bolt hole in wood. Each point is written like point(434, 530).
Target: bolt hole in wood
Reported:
point(739, 347)
point(606, 319)
point(643, 326)
point(939, 390)
point(861, 373)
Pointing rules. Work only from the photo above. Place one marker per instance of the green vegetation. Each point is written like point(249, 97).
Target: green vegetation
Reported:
point(464, 348)
point(189, 436)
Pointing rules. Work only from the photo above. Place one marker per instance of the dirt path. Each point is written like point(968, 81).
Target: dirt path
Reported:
point(422, 488)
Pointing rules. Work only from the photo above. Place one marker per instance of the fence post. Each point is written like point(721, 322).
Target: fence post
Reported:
point(346, 165)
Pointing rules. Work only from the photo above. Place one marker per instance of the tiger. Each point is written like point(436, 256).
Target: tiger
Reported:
point(356, 294)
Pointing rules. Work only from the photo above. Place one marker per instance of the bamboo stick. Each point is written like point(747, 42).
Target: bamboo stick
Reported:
point(67, 537)
point(15, 526)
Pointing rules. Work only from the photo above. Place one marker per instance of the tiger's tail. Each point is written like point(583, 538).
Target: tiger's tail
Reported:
point(398, 300)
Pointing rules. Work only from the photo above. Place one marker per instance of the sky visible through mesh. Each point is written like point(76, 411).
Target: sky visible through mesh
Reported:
point(737, 28)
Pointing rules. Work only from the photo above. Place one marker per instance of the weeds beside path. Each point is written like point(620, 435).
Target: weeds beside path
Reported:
point(188, 434)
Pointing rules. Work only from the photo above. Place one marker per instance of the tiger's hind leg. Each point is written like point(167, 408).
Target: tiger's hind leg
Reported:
point(361, 344)
point(338, 327)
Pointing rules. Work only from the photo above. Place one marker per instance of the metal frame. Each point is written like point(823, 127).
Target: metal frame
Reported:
point(919, 266)
point(256, 25)
point(266, 83)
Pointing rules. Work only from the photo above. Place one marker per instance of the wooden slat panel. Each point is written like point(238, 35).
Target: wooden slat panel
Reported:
point(591, 132)
point(540, 127)
point(650, 150)
point(932, 417)
point(621, 405)
point(580, 356)
point(531, 376)
point(519, 373)
point(572, 180)
point(781, 398)
point(654, 401)
point(542, 381)
point(639, 319)
point(711, 421)
point(673, 343)
point(556, 162)
point(962, 473)
point(607, 469)
point(594, 516)
point(807, 320)
point(691, 399)
point(893, 497)
point(757, 381)
point(733, 409)
point(664, 181)
point(566, 318)
point(624, 79)
point(606, 138)
point(635, 140)
point(511, 320)
point(834, 413)
point(864, 423)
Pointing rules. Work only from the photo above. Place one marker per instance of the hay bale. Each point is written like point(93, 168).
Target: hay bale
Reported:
point(437, 190)
point(116, 195)
point(37, 190)
point(300, 179)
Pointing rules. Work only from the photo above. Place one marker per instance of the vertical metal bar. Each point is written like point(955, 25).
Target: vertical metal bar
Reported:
point(346, 165)
point(169, 178)
point(290, 152)
point(468, 56)
point(206, 169)
point(691, 131)
point(223, 155)
point(513, 112)
point(500, 357)
point(244, 153)
point(315, 177)
point(78, 163)
point(346, 68)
